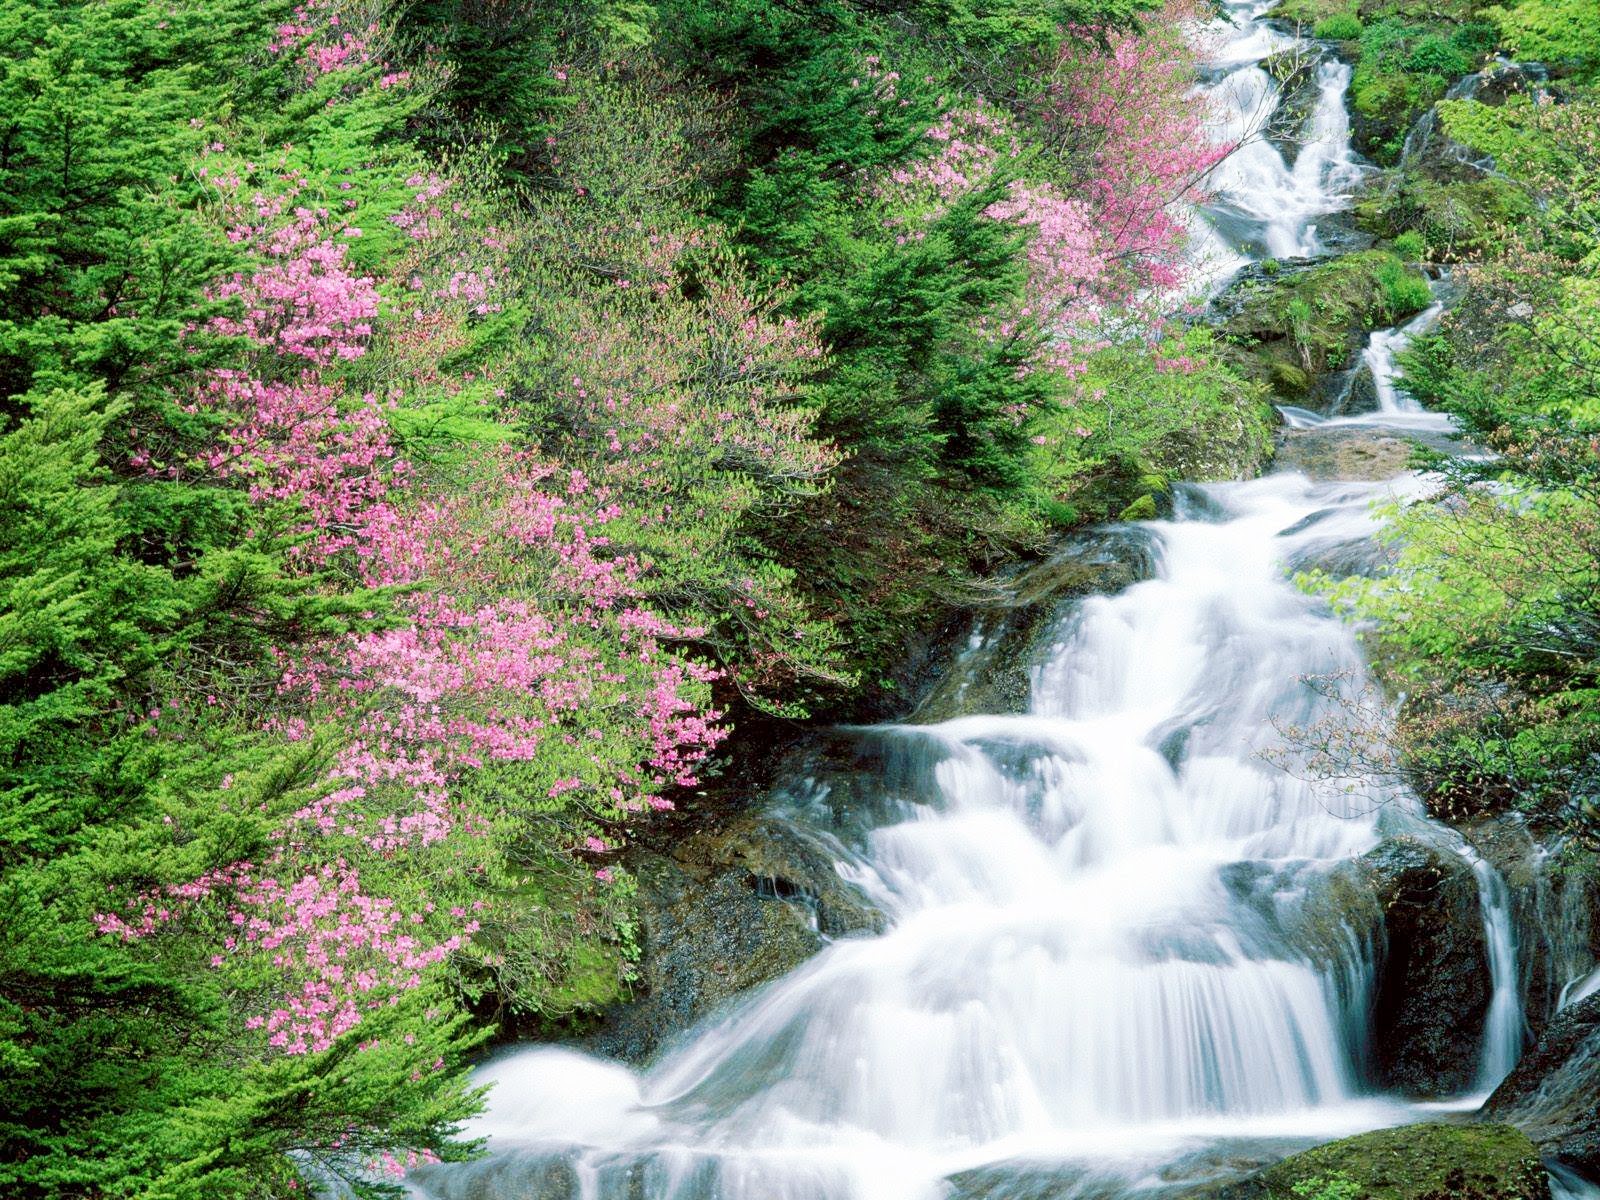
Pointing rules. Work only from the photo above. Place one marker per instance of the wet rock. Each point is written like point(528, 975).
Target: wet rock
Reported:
point(993, 673)
point(1432, 152)
point(727, 909)
point(1553, 1094)
point(1359, 394)
point(1433, 979)
point(1343, 452)
point(1413, 1162)
point(1555, 909)
point(1295, 71)
point(1341, 233)
point(1288, 325)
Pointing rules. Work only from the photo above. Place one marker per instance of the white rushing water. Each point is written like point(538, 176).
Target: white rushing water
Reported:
point(1263, 205)
point(1108, 947)
point(1104, 947)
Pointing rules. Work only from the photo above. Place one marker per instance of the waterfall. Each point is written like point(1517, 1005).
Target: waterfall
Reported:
point(1504, 1028)
point(1109, 942)
point(1379, 357)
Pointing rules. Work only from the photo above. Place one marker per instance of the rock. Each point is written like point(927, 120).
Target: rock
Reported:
point(1359, 395)
point(1288, 326)
point(1413, 1162)
point(729, 908)
point(1433, 979)
point(1343, 452)
point(1142, 509)
point(993, 673)
point(1289, 380)
point(1430, 151)
point(1553, 1094)
point(1295, 71)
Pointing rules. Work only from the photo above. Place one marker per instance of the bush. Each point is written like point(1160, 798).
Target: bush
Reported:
point(1404, 291)
point(1434, 55)
point(1341, 27)
point(1410, 245)
point(1476, 39)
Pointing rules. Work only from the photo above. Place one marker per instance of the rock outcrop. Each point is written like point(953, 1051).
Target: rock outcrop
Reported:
point(1413, 1162)
point(729, 908)
point(1553, 1094)
point(1433, 981)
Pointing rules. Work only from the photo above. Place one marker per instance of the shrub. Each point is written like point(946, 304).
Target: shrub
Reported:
point(1404, 291)
point(1410, 245)
point(1434, 55)
point(1476, 39)
point(1341, 27)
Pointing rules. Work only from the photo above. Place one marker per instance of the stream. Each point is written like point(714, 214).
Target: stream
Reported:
point(1106, 969)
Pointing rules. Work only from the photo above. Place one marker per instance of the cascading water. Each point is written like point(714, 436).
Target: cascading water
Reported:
point(1101, 952)
point(1379, 357)
point(1261, 205)
point(1107, 948)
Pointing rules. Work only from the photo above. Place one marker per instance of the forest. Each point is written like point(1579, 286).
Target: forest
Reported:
point(452, 451)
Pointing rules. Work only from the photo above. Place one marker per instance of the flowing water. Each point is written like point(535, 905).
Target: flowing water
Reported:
point(1109, 958)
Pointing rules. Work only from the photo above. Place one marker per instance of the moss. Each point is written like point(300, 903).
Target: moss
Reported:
point(1142, 509)
point(1307, 12)
point(1385, 104)
point(1289, 380)
point(1416, 1162)
point(1291, 327)
point(1456, 219)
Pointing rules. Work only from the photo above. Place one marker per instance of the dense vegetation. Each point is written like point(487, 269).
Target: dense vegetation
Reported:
point(427, 428)
point(1489, 621)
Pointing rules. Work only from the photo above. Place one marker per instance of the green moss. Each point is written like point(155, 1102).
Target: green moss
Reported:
point(1142, 509)
point(1415, 1162)
point(1289, 380)
point(1386, 104)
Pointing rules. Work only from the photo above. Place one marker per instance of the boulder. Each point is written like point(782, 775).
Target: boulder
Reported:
point(1287, 325)
point(1433, 980)
point(1343, 452)
point(729, 908)
point(1358, 395)
point(1414, 1162)
point(1295, 71)
point(1553, 1094)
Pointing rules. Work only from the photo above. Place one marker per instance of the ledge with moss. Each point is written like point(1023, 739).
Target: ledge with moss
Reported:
point(1286, 326)
point(1413, 1162)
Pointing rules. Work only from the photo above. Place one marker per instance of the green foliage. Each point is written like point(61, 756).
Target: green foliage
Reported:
point(1144, 421)
point(1562, 32)
point(1404, 290)
point(1435, 55)
point(1410, 245)
point(1341, 27)
point(1337, 1186)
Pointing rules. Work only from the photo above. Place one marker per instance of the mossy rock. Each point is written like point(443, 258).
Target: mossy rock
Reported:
point(1307, 12)
point(1419, 1162)
point(1289, 380)
point(1385, 104)
point(1287, 328)
point(1459, 219)
point(1413, 1162)
point(1142, 509)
